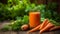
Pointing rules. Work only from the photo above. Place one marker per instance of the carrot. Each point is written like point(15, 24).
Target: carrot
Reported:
point(45, 22)
point(34, 29)
point(49, 25)
point(54, 28)
point(34, 19)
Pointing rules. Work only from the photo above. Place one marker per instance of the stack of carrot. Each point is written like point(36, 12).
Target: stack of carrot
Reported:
point(45, 26)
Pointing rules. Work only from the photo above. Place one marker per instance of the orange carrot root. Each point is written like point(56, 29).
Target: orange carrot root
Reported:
point(45, 22)
point(54, 28)
point(49, 25)
point(34, 29)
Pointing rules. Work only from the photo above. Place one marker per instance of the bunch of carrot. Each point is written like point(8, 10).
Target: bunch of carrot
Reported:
point(45, 26)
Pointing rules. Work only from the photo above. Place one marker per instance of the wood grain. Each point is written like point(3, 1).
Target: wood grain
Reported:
point(25, 32)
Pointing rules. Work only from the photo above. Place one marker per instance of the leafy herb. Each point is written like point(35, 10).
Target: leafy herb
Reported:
point(16, 25)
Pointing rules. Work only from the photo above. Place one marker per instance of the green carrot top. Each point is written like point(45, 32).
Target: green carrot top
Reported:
point(55, 23)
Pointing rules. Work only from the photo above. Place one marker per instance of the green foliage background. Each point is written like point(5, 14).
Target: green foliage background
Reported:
point(19, 8)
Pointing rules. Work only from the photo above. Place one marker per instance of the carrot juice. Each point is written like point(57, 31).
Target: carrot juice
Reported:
point(34, 19)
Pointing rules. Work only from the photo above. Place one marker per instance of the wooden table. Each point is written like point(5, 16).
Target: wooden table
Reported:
point(25, 32)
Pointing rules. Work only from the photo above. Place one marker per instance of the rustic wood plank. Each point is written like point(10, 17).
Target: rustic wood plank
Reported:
point(8, 32)
point(14, 32)
point(52, 32)
point(57, 32)
point(25, 32)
